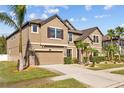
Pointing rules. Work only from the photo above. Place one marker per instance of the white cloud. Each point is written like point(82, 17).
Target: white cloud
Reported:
point(32, 16)
point(71, 19)
point(56, 6)
point(122, 25)
point(84, 19)
point(102, 16)
point(88, 7)
point(108, 7)
point(44, 16)
point(78, 19)
point(52, 11)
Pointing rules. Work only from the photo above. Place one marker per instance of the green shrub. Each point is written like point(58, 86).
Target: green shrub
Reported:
point(116, 58)
point(75, 60)
point(98, 59)
point(94, 59)
point(68, 60)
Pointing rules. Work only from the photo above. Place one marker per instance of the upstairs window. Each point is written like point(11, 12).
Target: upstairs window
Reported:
point(70, 37)
point(55, 33)
point(34, 28)
point(95, 39)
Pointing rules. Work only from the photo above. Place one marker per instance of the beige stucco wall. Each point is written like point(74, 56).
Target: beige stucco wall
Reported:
point(97, 46)
point(72, 46)
point(41, 37)
point(13, 44)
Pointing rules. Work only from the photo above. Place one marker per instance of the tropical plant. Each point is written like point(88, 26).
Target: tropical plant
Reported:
point(111, 34)
point(16, 21)
point(83, 47)
point(119, 33)
point(94, 57)
point(110, 51)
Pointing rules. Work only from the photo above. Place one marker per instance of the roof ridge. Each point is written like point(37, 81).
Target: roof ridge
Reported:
point(90, 28)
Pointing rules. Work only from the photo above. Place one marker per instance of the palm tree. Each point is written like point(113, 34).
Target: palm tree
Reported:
point(82, 48)
point(119, 33)
point(111, 34)
point(88, 51)
point(79, 45)
point(110, 51)
point(20, 12)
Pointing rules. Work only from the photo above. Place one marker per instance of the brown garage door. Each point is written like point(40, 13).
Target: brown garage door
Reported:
point(46, 57)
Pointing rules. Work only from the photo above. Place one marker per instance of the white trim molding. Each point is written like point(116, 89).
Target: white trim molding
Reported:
point(55, 27)
point(49, 44)
point(61, 50)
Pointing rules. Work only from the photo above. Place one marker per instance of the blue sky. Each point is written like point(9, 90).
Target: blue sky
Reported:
point(81, 16)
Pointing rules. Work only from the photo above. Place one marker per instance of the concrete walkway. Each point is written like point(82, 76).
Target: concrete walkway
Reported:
point(112, 69)
point(98, 79)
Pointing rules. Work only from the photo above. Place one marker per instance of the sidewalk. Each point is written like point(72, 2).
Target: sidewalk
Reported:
point(112, 69)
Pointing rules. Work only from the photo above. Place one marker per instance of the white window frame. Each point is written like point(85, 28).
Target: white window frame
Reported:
point(32, 29)
point(55, 33)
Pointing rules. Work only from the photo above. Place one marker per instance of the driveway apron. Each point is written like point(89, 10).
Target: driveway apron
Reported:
point(98, 79)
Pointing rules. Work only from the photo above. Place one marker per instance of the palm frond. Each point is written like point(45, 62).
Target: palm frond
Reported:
point(8, 20)
point(20, 11)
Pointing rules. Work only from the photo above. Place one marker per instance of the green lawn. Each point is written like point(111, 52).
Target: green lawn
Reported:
point(68, 83)
point(118, 72)
point(32, 77)
point(105, 66)
point(9, 74)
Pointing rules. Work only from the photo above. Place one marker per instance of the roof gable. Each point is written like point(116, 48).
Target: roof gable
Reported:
point(71, 27)
point(87, 32)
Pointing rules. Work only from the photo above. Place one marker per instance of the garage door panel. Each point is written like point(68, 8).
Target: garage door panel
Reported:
point(50, 57)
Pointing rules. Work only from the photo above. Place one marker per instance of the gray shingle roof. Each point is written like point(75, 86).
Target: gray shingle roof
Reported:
point(87, 32)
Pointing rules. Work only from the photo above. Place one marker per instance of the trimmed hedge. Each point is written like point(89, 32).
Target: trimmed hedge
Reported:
point(68, 60)
point(75, 60)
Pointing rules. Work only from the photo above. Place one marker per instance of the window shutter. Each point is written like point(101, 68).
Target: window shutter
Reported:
point(62, 34)
point(48, 32)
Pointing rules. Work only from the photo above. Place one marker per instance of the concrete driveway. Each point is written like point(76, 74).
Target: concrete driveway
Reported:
point(97, 79)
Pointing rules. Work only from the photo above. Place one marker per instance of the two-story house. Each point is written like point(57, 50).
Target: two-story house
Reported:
point(51, 40)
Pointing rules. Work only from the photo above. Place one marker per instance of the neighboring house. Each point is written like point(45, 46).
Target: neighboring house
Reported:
point(107, 41)
point(51, 40)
